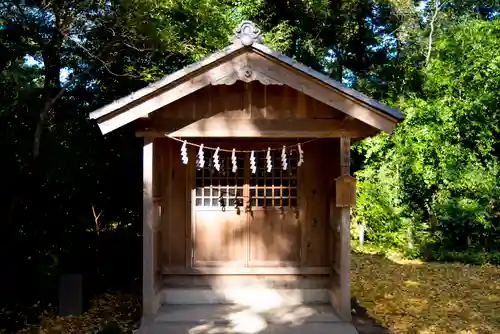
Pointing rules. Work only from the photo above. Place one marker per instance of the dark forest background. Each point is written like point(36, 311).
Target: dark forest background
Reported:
point(71, 198)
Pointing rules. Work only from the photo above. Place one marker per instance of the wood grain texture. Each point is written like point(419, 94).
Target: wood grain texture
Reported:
point(299, 238)
point(175, 201)
point(343, 293)
point(274, 238)
point(345, 155)
point(219, 238)
point(250, 110)
point(227, 244)
point(345, 187)
point(313, 194)
point(218, 127)
point(282, 102)
point(149, 249)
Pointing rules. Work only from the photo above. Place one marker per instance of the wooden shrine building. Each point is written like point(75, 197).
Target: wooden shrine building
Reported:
point(275, 215)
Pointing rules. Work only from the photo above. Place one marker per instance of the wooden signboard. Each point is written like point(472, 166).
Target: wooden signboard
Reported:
point(346, 191)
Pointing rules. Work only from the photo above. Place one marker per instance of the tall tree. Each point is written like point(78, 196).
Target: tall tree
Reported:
point(439, 171)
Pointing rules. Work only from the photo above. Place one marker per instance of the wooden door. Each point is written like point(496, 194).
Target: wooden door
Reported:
point(219, 229)
point(274, 238)
point(219, 238)
point(263, 234)
point(274, 228)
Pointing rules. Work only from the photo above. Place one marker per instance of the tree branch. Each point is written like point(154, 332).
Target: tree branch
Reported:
point(136, 48)
point(50, 103)
point(96, 219)
point(431, 34)
point(98, 58)
point(45, 112)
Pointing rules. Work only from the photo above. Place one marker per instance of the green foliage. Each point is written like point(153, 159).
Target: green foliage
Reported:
point(177, 30)
point(467, 256)
point(437, 174)
point(68, 209)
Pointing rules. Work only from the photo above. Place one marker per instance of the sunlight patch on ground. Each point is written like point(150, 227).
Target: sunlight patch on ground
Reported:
point(247, 322)
point(411, 283)
point(239, 319)
point(239, 322)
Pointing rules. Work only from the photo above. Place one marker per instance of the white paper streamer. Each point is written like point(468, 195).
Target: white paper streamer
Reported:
point(234, 161)
point(252, 162)
point(284, 162)
point(301, 156)
point(269, 163)
point(184, 155)
point(201, 157)
point(216, 159)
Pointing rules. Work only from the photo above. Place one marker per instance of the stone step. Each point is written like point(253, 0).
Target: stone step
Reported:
point(236, 319)
point(223, 314)
point(255, 328)
point(244, 296)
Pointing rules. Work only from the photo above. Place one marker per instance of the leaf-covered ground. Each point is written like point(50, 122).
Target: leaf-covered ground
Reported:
point(414, 297)
point(110, 313)
point(403, 296)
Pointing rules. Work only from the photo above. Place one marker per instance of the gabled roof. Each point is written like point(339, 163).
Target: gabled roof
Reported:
point(223, 67)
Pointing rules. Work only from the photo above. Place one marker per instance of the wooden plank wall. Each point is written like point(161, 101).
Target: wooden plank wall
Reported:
point(249, 101)
point(251, 110)
point(172, 191)
point(334, 211)
point(314, 197)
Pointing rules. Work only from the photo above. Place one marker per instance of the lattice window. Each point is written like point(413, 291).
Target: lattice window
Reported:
point(211, 184)
point(277, 188)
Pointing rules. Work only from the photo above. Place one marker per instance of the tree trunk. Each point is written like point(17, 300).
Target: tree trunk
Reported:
point(52, 84)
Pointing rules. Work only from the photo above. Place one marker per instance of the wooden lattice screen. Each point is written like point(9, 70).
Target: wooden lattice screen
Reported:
point(275, 189)
point(212, 184)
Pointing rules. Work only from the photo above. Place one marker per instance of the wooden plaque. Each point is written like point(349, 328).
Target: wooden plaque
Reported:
point(346, 191)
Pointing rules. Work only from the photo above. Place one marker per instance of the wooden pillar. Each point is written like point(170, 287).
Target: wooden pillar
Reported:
point(150, 297)
point(340, 208)
point(345, 156)
point(345, 249)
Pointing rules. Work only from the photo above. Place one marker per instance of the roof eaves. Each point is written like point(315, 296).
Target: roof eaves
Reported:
point(151, 88)
point(395, 113)
point(246, 35)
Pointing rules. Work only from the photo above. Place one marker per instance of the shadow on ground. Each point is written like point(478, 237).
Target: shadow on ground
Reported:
point(363, 322)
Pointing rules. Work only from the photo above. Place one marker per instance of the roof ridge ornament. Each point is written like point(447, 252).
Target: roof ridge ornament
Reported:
point(247, 33)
